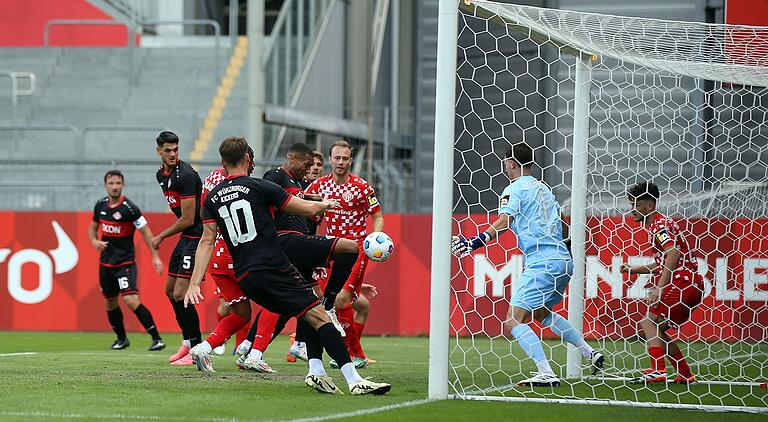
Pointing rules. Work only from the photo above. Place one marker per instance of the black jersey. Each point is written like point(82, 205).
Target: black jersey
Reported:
point(117, 226)
point(180, 183)
point(241, 207)
point(311, 222)
point(287, 222)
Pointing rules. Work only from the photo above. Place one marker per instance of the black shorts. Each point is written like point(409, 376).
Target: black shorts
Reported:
point(183, 257)
point(307, 252)
point(283, 292)
point(118, 280)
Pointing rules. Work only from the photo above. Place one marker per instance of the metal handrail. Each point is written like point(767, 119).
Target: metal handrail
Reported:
point(107, 128)
point(91, 22)
point(194, 22)
point(15, 91)
point(52, 128)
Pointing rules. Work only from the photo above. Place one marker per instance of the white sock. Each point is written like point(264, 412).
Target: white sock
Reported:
point(256, 354)
point(299, 344)
point(246, 344)
point(206, 346)
point(544, 368)
point(350, 373)
point(316, 367)
point(187, 343)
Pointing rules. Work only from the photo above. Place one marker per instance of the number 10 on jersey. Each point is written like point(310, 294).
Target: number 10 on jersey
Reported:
point(232, 220)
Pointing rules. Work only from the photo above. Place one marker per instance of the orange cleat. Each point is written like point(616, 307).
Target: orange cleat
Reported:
point(288, 356)
point(684, 380)
point(183, 351)
point(184, 361)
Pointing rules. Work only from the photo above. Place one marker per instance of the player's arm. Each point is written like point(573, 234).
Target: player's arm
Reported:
point(202, 259)
point(298, 206)
point(184, 222)
point(378, 221)
point(146, 234)
point(461, 246)
point(671, 258)
point(93, 231)
point(638, 269)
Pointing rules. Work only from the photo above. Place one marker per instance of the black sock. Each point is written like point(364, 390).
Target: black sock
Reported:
point(314, 347)
point(331, 341)
point(279, 325)
point(303, 330)
point(342, 267)
point(251, 336)
point(193, 324)
point(178, 310)
point(145, 318)
point(115, 317)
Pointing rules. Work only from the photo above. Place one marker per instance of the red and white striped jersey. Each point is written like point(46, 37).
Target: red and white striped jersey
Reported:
point(357, 199)
point(666, 233)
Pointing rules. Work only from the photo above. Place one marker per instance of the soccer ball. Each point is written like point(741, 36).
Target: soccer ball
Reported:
point(378, 246)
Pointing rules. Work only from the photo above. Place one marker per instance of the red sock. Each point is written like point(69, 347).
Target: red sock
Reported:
point(681, 366)
point(357, 347)
point(241, 334)
point(657, 358)
point(346, 317)
point(224, 330)
point(267, 323)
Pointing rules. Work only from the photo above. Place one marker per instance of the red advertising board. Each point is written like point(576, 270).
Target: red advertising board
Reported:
point(48, 278)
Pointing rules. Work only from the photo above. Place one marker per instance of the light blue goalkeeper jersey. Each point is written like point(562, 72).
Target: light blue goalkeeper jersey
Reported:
point(536, 220)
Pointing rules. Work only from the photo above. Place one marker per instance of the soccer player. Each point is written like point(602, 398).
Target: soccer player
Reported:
point(118, 218)
point(222, 271)
point(677, 286)
point(529, 208)
point(358, 201)
point(317, 168)
point(182, 187)
point(240, 208)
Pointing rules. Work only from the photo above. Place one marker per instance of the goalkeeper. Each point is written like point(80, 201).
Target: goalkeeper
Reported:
point(529, 208)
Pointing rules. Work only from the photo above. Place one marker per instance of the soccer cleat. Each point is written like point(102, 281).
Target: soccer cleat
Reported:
point(685, 380)
point(597, 360)
point(186, 360)
point(323, 384)
point(332, 364)
point(240, 362)
point(183, 351)
point(243, 348)
point(360, 362)
point(120, 344)
point(369, 387)
point(257, 365)
point(297, 351)
point(650, 378)
point(332, 315)
point(540, 379)
point(202, 359)
point(220, 349)
point(288, 355)
point(157, 345)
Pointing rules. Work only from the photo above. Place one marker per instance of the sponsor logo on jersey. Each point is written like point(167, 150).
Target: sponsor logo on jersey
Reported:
point(103, 213)
point(111, 229)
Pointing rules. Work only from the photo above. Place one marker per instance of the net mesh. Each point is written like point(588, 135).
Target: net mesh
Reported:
point(682, 104)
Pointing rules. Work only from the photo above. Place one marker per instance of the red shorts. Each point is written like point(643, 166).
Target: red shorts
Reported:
point(355, 281)
point(679, 298)
point(228, 288)
point(221, 260)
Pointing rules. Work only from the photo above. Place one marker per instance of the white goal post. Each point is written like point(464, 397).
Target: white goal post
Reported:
point(604, 101)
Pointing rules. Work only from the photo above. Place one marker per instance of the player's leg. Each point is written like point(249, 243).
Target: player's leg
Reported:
point(345, 255)
point(181, 313)
point(221, 312)
point(269, 326)
point(690, 296)
point(129, 291)
point(182, 285)
point(651, 327)
point(110, 290)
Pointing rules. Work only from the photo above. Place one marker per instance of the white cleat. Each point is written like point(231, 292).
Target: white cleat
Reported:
point(299, 352)
point(322, 383)
point(221, 349)
point(597, 360)
point(332, 314)
point(243, 348)
point(257, 365)
point(202, 359)
point(369, 387)
point(540, 380)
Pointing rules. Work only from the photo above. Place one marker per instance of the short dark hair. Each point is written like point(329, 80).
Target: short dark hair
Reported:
point(233, 149)
point(300, 149)
point(319, 156)
point(521, 153)
point(643, 190)
point(340, 143)
point(111, 173)
point(250, 152)
point(167, 137)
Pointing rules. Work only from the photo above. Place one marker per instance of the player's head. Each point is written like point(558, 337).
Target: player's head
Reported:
point(234, 154)
point(298, 160)
point(114, 181)
point(168, 147)
point(251, 164)
point(642, 197)
point(340, 156)
point(518, 159)
point(317, 166)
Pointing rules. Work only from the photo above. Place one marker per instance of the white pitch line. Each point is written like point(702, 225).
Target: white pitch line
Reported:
point(18, 354)
point(362, 412)
point(119, 416)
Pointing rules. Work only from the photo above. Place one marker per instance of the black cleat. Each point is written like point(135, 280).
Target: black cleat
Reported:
point(121, 344)
point(157, 344)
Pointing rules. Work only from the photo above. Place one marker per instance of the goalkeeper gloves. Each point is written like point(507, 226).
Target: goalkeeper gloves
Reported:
point(461, 246)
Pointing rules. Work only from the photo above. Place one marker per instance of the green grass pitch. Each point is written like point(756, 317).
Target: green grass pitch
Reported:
point(74, 376)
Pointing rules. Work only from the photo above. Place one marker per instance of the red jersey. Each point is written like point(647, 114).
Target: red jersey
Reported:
point(357, 200)
point(666, 233)
point(221, 262)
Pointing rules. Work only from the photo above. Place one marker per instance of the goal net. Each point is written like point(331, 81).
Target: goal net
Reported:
point(605, 102)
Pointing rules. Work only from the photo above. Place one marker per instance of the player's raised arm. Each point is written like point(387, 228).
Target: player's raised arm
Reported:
point(306, 208)
point(202, 259)
point(461, 246)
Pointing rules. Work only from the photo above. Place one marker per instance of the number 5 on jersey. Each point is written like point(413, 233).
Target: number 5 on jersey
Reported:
point(232, 220)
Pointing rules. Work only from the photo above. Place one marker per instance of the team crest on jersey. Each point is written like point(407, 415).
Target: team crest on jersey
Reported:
point(347, 196)
point(372, 201)
point(117, 215)
point(503, 201)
